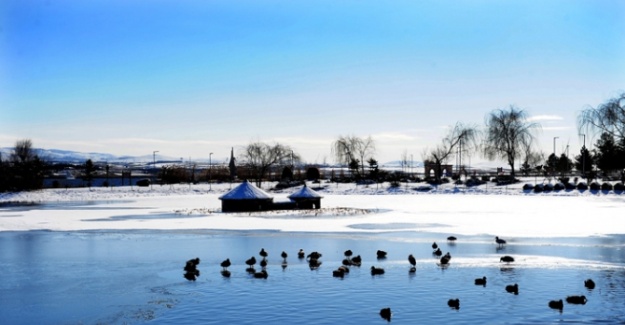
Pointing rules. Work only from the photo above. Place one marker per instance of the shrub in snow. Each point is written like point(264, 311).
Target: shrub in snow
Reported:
point(143, 182)
point(619, 187)
point(528, 187)
point(594, 186)
point(558, 187)
point(548, 188)
point(582, 186)
point(569, 186)
point(424, 188)
point(606, 186)
point(474, 182)
point(539, 188)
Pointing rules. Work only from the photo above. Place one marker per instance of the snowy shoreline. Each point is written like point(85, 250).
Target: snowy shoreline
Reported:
point(503, 211)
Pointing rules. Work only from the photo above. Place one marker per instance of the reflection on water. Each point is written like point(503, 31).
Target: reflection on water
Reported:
point(136, 277)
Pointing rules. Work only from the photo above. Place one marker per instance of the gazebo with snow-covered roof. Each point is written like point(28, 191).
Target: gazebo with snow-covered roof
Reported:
point(306, 198)
point(246, 197)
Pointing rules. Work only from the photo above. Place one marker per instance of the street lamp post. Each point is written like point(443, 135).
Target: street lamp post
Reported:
point(554, 145)
point(584, 156)
point(154, 166)
point(210, 167)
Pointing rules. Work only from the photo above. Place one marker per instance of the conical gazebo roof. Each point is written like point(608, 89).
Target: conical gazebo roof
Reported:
point(305, 193)
point(246, 191)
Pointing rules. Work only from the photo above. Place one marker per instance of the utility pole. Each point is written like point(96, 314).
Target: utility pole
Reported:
point(154, 166)
point(584, 156)
point(210, 167)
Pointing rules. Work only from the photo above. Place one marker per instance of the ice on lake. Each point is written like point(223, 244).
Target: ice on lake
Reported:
point(119, 260)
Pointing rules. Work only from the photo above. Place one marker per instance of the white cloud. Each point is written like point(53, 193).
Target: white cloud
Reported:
point(545, 118)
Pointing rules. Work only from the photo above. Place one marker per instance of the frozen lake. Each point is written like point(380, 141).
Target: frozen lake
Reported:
point(88, 257)
point(134, 277)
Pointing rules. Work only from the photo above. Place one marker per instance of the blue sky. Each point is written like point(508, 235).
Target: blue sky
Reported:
point(191, 77)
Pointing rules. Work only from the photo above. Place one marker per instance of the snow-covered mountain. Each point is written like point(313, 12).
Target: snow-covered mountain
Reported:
point(68, 156)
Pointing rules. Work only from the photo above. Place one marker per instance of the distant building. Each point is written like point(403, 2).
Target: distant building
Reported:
point(232, 165)
point(306, 198)
point(246, 197)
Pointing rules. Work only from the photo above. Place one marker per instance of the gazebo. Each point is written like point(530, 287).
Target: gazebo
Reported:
point(244, 198)
point(306, 198)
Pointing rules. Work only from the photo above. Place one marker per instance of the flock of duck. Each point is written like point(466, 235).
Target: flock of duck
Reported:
point(314, 262)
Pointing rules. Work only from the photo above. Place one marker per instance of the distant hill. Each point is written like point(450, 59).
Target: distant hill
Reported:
point(68, 156)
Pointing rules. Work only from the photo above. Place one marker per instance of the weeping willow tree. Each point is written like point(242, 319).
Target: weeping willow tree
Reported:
point(353, 151)
point(609, 117)
point(509, 135)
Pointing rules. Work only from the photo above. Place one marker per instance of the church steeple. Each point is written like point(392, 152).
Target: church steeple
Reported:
point(232, 166)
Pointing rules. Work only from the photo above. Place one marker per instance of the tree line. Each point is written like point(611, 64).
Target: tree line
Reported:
point(507, 134)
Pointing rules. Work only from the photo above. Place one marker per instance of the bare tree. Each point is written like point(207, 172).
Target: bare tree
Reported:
point(459, 135)
point(608, 117)
point(350, 150)
point(509, 135)
point(260, 157)
point(26, 169)
point(23, 151)
point(404, 161)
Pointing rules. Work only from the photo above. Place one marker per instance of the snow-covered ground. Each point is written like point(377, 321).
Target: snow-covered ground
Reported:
point(487, 209)
point(507, 211)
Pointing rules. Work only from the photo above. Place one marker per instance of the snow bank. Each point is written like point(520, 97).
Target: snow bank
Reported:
point(503, 211)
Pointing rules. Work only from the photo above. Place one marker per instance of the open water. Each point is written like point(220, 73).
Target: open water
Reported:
point(136, 277)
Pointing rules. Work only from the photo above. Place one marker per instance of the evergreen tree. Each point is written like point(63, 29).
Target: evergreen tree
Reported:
point(89, 169)
point(608, 154)
point(552, 163)
point(564, 165)
point(584, 161)
point(373, 168)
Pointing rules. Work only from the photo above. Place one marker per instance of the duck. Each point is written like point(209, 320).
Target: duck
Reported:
point(348, 253)
point(263, 263)
point(377, 270)
point(314, 263)
point(499, 241)
point(590, 284)
point(507, 259)
point(357, 260)
point(385, 313)
point(192, 264)
point(452, 238)
point(284, 255)
point(381, 254)
point(577, 300)
point(513, 288)
point(190, 268)
point(437, 252)
point(556, 304)
point(412, 260)
point(454, 303)
point(301, 254)
point(251, 261)
point(344, 268)
point(261, 275)
point(434, 245)
point(445, 259)
point(314, 255)
point(480, 281)
point(225, 264)
point(263, 253)
point(338, 273)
